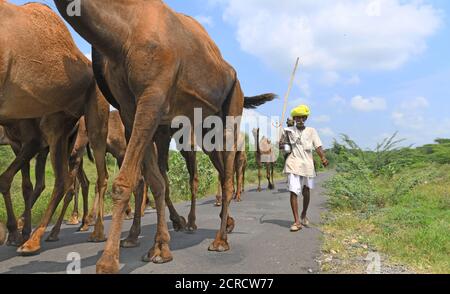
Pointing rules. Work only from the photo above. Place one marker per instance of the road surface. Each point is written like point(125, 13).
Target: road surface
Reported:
point(260, 244)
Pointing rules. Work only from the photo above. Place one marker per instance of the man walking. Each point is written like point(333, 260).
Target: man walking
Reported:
point(299, 142)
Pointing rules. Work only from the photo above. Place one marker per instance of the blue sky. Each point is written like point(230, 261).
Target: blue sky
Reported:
point(368, 67)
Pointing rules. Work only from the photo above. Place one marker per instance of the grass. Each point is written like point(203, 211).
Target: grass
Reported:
point(404, 215)
point(178, 176)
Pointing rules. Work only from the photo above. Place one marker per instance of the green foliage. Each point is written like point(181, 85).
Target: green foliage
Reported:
point(179, 176)
point(367, 181)
point(397, 198)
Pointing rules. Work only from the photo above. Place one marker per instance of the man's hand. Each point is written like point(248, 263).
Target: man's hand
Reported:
point(325, 162)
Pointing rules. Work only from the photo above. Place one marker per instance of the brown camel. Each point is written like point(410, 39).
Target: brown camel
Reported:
point(26, 140)
point(3, 234)
point(44, 76)
point(116, 146)
point(240, 165)
point(157, 64)
point(264, 155)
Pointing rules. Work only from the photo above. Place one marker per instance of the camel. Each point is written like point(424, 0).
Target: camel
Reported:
point(3, 234)
point(264, 154)
point(154, 64)
point(240, 165)
point(22, 135)
point(44, 76)
point(116, 146)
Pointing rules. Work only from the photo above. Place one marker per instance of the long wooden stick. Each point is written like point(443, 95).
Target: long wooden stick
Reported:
point(286, 98)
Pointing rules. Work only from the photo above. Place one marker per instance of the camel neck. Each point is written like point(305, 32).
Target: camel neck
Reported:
point(103, 23)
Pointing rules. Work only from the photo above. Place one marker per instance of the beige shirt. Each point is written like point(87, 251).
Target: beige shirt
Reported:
point(301, 161)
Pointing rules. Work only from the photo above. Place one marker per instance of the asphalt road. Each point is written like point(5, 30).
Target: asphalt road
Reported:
point(260, 244)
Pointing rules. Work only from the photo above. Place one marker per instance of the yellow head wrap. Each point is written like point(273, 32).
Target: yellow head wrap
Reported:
point(301, 110)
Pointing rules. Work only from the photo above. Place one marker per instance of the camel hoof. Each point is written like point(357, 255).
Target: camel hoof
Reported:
point(73, 221)
point(129, 243)
point(180, 224)
point(191, 227)
point(230, 225)
point(20, 223)
point(83, 228)
point(156, 259)
point(28, 250)
point(129, 216)
point(259, 190)
point(219, 246)
point(14, 240)
point(158, 256)
point(96, 238)
point(107, 265)
point(90, 221)
point(52, 238)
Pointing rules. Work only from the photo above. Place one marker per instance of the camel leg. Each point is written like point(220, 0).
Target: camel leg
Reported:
point(74, 218)
point(272, 167)
point(75, 162)
point(142, 129)
point(258, 162)
point(219, 192)
point(25, 154)
point(191, 163)
point(93, 212)
point(144, 200)
point(160, 252)
point(132, 240)
point(217, 161)
point(24, 223)
point(178, 221)
point(268, 175)
point(162, 140)
point(239, 176)
point(244, 168)
point(27, 190)
point(232, 109)
point(97, 115)
point(41, 161)
point(84, 183)
point(56, 129)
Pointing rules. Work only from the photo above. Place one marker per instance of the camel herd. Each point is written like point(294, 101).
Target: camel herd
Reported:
point(150, 63)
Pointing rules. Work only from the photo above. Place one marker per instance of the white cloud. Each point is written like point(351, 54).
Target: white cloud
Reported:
point(338, 100)
point(416, 103)
point(300, 101)
point(205, 20)
point(368, 104)
point(353, 80)
point(321, 119)
point(333, 36)
point(326, 132)
point(408, 120)
point(330, 78)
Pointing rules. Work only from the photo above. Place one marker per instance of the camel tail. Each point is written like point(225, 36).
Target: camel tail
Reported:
point(89, 153)
point(256, 101)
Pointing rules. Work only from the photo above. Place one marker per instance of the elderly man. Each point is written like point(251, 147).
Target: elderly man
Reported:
point(299, 142)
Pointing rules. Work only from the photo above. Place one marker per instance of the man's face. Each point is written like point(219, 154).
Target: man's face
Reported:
point(300, 121)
